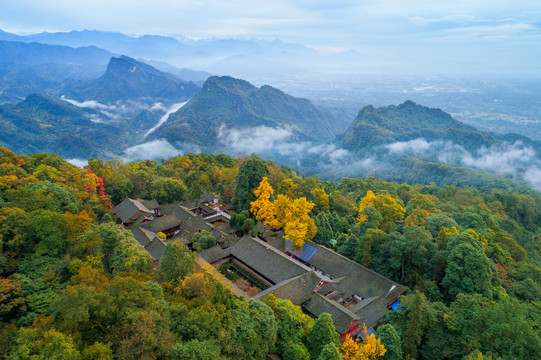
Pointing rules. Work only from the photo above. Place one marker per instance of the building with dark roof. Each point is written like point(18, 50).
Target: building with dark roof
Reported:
point(146, 218)
point(319, 280)
point(313, 276)
point(168, 224)
point(129, 210)
point(266, 261)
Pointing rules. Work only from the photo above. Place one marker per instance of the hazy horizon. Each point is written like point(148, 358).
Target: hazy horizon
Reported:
point(486, 37)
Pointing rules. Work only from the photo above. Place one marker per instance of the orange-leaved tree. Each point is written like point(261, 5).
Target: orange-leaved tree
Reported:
point(293, 216)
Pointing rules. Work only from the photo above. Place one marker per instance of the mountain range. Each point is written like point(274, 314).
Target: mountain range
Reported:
point(408, 121)
point(42, 123)
point(82, 109)
point(129, 99)
point(250, 57)
point(37, 54)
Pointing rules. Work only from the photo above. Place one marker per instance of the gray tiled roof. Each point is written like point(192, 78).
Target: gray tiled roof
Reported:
point(341, 316)
point(357, 279)
point(266, 260)
point(214, 253)
point(225, 228)
point(298, 289)
point(194, 224)
point(278, 242)
point(128, 208)
point(156, 248)
point(143, 236)
point(207, 197)
point(150, 204)
point(162, 223)
point(207, 209)
point(372, 310)
point(182, 213)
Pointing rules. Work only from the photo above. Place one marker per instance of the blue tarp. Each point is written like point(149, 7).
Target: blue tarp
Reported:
point(396, 306)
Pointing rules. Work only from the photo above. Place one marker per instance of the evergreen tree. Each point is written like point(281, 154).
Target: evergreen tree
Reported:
point(321, 334)
point(176, 263)
point(391, 340)
point(329, 352)
point(295, 351)
point(251, 172)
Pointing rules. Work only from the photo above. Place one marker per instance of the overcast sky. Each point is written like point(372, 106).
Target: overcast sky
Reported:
point(503, 33)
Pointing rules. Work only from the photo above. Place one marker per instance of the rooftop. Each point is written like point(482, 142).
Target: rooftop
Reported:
point(129, 208)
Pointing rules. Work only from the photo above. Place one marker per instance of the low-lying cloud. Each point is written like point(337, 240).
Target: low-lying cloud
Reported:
point(78, 162)
point(172, 109)
point(506, 159)
point(270, 141)
point(91, 104)
point(256, 139)
point(105, 113)
point(415, 146)
point(514, 160)
point(153, 150)
point(330, 161)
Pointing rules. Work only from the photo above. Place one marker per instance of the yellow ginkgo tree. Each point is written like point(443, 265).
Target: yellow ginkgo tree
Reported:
point(286, 213)
point(390, 209)
point(371, 348)
point(262, 207)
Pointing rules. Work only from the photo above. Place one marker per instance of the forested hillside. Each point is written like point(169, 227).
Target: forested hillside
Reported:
point(408, 121)
point(73, 285)
point(237, 104)
point(44, 123)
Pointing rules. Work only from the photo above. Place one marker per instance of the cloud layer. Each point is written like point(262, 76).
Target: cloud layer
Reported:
point(276, 141)
point(512, 160)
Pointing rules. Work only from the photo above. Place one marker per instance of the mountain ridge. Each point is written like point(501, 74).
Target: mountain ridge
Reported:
point(37, 53)
point(237, 104)
point(128, 79)
point(407, 121)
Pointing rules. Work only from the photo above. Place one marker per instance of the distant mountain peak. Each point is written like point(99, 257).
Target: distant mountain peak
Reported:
point(233, 103)
point(229, 84)
point(125, 66)
point(377, 126)
point(129, 79)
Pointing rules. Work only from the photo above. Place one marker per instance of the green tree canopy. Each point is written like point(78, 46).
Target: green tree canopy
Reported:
point(329, 352)
point(469, 270)
point(321, 334)
point(204, 239)
point(167, 190)
point(295, 351)
point(251, 172)
point(176, 263)
point(391, 340)
point(196, 350)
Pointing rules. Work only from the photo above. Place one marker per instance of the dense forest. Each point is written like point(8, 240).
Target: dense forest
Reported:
point(75, 285)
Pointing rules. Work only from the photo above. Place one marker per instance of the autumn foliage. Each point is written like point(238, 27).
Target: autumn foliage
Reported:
point(263, 208)
point(285, 212)
point(390, 210)
point(371, 348)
